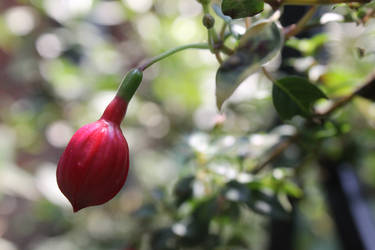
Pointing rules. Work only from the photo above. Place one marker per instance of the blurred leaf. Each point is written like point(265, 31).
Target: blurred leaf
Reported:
point(339, 80)
point(197, 229)
point(308, 46)
point(292, 189)
point(163, 239)
point(257, 46)
point(237, 241)
point(295, 96)
point(267, 204)
point(205, 211)
point(183, 189)
point(237, 192)
point(145, 212)
point(196, 233)
point(242, 8)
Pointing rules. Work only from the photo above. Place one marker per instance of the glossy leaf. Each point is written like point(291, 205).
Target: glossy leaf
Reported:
point(242, 8)
point(257, 46)
point(295, 96)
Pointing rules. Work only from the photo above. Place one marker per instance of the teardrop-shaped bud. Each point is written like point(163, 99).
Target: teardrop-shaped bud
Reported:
point(94, 165)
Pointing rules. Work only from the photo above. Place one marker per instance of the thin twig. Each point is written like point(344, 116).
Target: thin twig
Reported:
point(299, 26)
point(247, 22)
point(276, 153)
point(343, 101)
point(218, 57)
point(226, 50)
point(268, 74)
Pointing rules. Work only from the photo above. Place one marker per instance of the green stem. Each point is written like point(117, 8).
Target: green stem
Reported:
point(210, 32)
point(222, 31)
point(155, 59)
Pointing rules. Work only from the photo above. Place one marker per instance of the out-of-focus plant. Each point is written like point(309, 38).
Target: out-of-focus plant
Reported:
point(202, 176)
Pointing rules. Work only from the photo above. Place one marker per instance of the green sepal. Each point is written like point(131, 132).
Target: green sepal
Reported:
point(130, 84)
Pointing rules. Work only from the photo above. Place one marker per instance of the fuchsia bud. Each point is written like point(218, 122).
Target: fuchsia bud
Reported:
point(94, 165)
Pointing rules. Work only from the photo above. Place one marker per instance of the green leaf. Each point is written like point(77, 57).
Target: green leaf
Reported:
point(295, 96)
point(257, 46)
point(308, 46)
point(242, 8)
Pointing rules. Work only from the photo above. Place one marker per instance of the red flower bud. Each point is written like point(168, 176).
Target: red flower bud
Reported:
point(94, 165)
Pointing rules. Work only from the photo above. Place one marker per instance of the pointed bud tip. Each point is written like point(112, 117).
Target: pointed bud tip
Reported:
point(77, 208)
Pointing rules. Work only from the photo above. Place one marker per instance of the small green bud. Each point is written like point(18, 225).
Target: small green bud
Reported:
point(130, 84)
point(208, 21)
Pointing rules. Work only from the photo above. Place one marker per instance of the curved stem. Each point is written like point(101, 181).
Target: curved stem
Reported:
point(218, 57)
point(268, 75)
point(155, 59)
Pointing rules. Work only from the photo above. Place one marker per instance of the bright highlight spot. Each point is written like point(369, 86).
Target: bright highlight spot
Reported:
point(20, 20)
point(108, 13)
point(140, 6)
point(49, 46)
point(59, 133)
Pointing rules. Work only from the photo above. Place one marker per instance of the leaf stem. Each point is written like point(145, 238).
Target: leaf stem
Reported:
point(170, 52)
point(218, 57)
point(268, 75)
point(247, 22)
point(222, 31)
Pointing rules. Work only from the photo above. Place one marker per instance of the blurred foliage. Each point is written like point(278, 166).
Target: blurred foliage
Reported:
point(191, 183)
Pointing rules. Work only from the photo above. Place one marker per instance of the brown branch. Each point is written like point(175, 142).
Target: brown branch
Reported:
point(247, 22)
point(345, 100)
point(218, 57)
point(278, 150)
point(294, 29)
